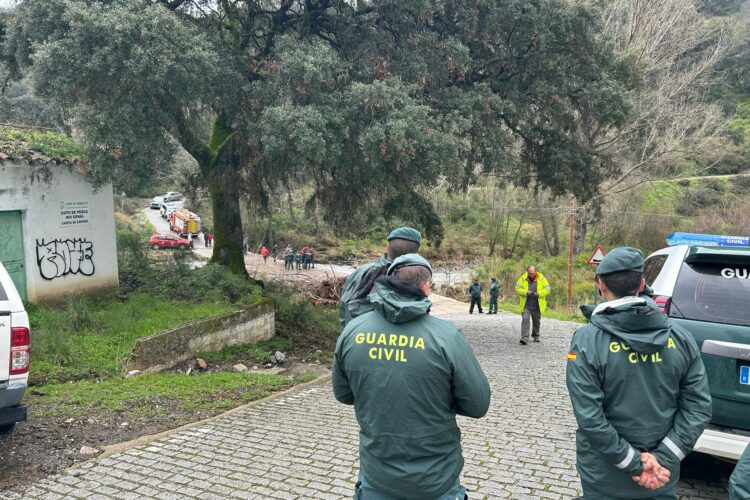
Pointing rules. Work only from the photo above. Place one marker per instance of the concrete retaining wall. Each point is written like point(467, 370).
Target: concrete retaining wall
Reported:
point(164, 350)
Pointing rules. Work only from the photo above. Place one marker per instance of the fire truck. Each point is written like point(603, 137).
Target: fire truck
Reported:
point(184, 222)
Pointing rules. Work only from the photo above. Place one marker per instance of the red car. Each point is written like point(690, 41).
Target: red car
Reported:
point(158, 241)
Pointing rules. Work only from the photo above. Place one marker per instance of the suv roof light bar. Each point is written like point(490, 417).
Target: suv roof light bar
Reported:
point(708, 240)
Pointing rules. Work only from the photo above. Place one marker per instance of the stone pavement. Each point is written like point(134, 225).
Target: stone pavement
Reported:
point(304, 445)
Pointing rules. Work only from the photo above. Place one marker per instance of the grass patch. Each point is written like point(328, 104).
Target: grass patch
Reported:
point(90, 337)
point(155, 394)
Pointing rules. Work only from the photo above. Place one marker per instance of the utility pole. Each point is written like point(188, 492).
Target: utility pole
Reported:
point(571, 225)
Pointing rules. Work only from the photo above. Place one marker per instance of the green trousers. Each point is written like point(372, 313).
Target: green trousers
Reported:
point(590, 494)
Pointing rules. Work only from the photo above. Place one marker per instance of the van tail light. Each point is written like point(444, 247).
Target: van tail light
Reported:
point(663, 303)
point(20, 350)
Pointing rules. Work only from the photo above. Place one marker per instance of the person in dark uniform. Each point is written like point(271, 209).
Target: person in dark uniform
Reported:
point(475, 294)
point(638, 388)
point(494, 295)
point(354, 302)
point(739, 483)
point(408, 375)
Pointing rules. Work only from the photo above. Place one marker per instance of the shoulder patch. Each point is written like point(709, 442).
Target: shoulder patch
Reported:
point(572, 356)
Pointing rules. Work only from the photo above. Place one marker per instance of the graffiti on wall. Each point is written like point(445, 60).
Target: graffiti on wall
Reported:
point(60, 257)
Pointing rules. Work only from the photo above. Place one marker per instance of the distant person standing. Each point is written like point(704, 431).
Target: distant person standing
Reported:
point(739, 483)
point(638, 388)
point(308, 259)
point(264, 254)
point(494, 295)
point(475, 293)
point(288, 258)
point(275, 252)
point(205, 239)
point(298, 260)
point(532, 289)
point(210, 239)
point(313, 255)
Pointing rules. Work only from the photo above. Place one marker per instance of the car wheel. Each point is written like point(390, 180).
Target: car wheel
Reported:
point(5, 429)
point(155, 246)
point(182, 247)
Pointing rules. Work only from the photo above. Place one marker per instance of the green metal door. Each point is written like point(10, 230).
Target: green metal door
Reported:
point(11, 249)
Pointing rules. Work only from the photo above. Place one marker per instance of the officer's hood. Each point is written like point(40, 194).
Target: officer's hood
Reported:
point(635, 320)
point(397, 300)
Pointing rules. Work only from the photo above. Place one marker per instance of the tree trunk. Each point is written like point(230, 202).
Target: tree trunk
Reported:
point(225, 204)
point(550, 230)
point(269, 230)
point(518, 231)
point(581, 228)
point(220, 164)
point(291, 204)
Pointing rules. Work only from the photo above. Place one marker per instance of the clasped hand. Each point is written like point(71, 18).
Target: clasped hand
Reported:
point(654, 476)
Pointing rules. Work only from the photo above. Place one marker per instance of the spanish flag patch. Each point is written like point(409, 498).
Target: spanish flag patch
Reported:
point(571, 356)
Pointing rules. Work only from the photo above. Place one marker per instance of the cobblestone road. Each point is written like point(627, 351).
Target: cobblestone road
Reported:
point(304, 445)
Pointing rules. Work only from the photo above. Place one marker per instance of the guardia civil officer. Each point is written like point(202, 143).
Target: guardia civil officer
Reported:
point(408, 375)
point(475, 293)
point(638, 388)
point(739, 483)
point(357, 286)
point(494, 294)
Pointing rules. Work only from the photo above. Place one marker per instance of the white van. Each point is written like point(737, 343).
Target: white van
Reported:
point(15, 354)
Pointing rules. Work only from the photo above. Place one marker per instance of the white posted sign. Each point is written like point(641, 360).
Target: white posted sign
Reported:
point(74, 213)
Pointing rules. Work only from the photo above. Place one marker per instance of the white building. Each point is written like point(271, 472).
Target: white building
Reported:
point(58, 232)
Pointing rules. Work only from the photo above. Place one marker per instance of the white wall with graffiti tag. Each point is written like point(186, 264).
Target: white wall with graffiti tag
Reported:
point(67, 228)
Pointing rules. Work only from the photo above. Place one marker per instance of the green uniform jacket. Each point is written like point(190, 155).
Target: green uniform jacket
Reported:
point(542, 287)
point(408, 374)
point(494, 290)
point(475, 290)
point(350, 286)
point(637, 383)
point(739, 483)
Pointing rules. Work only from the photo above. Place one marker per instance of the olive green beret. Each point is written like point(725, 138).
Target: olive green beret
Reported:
point(405, 233)
point(410, 259)
point(621, 259)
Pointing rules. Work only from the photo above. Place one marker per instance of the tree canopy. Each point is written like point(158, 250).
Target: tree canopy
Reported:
point(377, 102)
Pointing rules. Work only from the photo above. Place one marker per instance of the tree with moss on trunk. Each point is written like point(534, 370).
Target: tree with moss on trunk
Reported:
point(374, 102)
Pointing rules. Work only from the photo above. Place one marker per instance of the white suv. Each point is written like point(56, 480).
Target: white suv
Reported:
point(15, 354)
point(706, 290)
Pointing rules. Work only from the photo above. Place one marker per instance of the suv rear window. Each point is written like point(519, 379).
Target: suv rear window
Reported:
point(719, 293)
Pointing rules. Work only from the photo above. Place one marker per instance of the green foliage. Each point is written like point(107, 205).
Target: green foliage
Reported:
point(22, 141)
point(85, 338)
point(173, 278)
point(376, 103)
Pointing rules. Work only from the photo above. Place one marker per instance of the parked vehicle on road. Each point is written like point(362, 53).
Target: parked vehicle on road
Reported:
point(15, 354)
point(706, 290)
point(172, 196)
point(184, 222)
point(168, 208)
point(156, 202)
point(158, 241)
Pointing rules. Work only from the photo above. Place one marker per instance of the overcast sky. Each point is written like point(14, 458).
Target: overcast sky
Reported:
point(6, 3)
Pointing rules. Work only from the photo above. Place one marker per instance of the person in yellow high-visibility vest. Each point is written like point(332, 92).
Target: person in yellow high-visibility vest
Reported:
point(532, 288)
